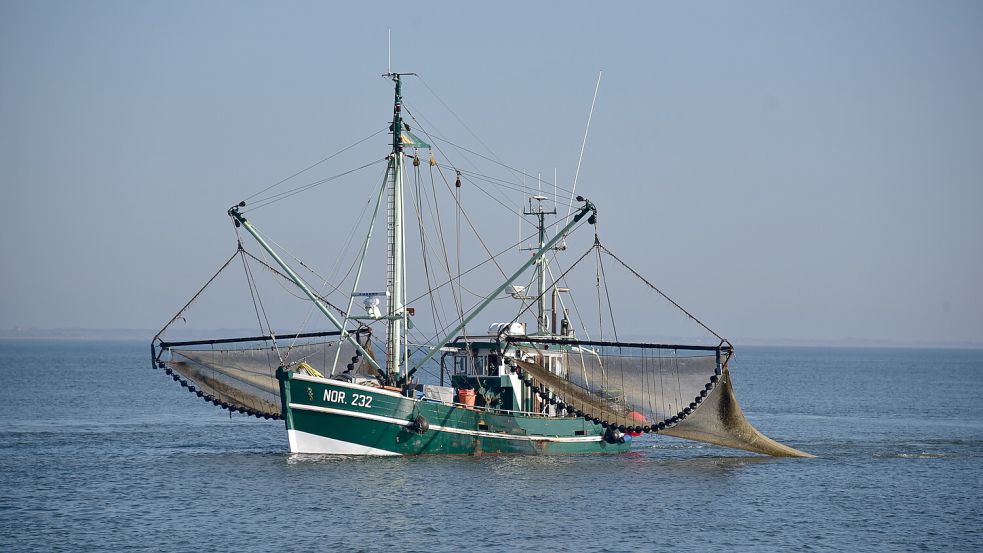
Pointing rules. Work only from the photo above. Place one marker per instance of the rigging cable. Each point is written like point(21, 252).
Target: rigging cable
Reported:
point(443, 244)
point(418, 207)
point(195, 297)
point(573, 298)
point(277, 272)
point(543, 293)
point(461, 121)
point(437, 147)
point(510, 168)
point(661, 293)
point(460, 207)
point(482, 263)
point(607, 293)
point(257, 306)
point(597, 287)
point(337, 265)
point(460, 210)
point(315, 164)
point(263, 202)
point(584, 222)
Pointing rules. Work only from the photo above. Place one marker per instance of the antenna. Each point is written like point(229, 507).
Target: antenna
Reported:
point(389, 51)
point(583, 146)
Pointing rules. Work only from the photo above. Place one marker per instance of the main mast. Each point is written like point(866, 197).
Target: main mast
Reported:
point(396, 270)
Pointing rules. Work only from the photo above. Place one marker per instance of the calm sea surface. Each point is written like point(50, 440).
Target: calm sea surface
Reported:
point(100, 452)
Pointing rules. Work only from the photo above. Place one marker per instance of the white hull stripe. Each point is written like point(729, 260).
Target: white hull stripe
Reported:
point(452, 430)
point(305, 442)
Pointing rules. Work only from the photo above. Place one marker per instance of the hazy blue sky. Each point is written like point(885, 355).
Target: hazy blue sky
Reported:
point(787, 169)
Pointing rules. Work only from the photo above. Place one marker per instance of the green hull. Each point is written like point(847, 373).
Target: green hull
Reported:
point(336, 417)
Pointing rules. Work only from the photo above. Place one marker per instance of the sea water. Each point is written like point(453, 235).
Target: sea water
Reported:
point(100, 452)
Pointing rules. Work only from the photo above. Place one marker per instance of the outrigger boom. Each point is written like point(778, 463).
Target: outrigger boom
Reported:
point(240, 220)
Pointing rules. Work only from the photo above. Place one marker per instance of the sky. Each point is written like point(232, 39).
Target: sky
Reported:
point(805, 171)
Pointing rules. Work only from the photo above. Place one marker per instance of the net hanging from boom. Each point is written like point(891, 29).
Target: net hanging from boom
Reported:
point(627, 385)
point(674, 389)
point(240, 374)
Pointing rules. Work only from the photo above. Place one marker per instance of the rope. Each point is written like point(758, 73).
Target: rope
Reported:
point(263, 202)
point(195, 297)
point(463, 124)
point(443, 246)
point(607, 294)
point(663, 294)
point(285, 277)
point(475, 267)
point(525, 189)
point(315, 164)
point(543, 293)
point(258, 306)
point(460, 211)
point(418, 197)
point(334, 273)
point(434, 163)
point(573, 300)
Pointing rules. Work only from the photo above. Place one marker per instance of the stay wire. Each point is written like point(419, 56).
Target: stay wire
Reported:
point(473, 178)
point(663, 294)
point(499, 254)
point(573, 298)
point(334, 273)
point(315, 164)
point(456, 116)
point(465, 125)
point(257, 307)
point(509, 167)
point(564, 274)
point(443, 330)
point(461, 211)
point(195, 297)
point(597, 286)
point(418, 207)
point(304, 265)
point(440, 151)
point(443, 244)
point(277, 272)
point(325, 281)
point(607, 294)
point(263, 202)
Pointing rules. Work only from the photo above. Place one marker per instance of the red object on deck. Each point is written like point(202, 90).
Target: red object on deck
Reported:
point(635, 416)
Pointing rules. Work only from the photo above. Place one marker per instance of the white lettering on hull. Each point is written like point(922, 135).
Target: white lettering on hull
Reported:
point(338, 396)
point(334, 396)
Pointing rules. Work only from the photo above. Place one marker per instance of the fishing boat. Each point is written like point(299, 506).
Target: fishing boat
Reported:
point(374, 382)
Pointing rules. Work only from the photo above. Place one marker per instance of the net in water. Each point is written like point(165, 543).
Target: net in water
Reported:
point(240, 373)
point(677, 390)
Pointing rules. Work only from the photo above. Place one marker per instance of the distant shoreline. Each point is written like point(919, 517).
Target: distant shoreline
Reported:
point(143, 335)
